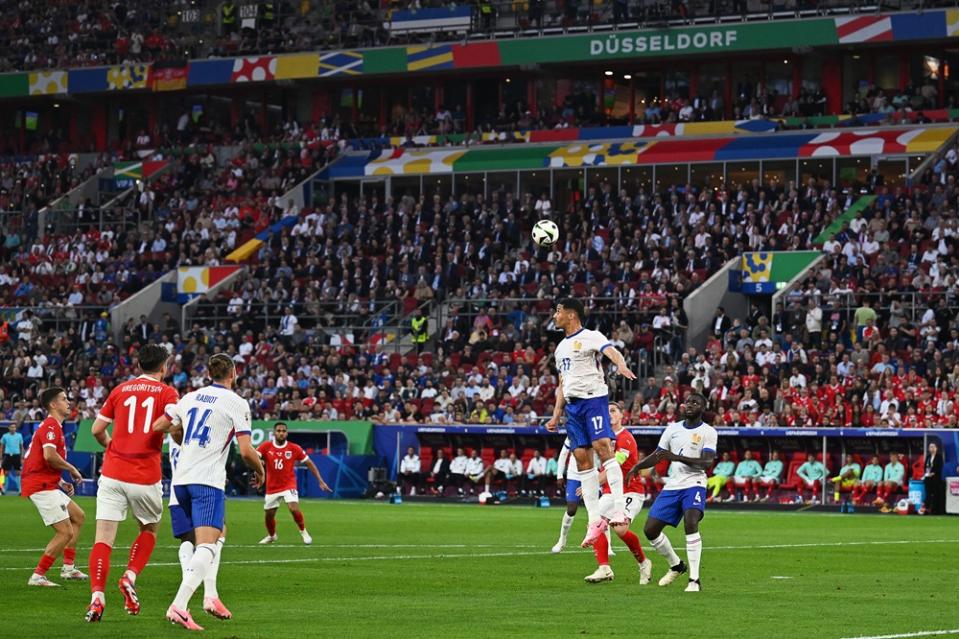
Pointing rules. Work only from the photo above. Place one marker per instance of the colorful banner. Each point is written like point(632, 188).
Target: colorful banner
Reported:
point(260, 69)
point(169, 78)
point(668, 43)
point(453, 18)
point(48, 83)
point(672, 150)
point(763, 273)
point(192, 281)
point(125, 77)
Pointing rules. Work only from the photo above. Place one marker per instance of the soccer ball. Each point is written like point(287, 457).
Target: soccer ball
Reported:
point(545, 233)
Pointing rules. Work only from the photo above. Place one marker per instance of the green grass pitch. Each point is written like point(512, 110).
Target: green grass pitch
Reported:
point(450, 571)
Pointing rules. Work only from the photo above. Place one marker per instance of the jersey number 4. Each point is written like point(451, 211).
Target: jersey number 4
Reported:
point(147, 404)
point(197, 430)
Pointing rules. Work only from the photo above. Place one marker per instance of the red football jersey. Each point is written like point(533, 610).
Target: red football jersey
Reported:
point(37, 474)
point(135, 451)
point(627, 443)
point(280, 462)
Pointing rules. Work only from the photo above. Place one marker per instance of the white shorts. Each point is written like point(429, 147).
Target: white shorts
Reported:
point(740, 481)
point(115, 496)
point(273, 500)
point(52, 505)
point(809, 484)
point(768, 480)
point(634, 503)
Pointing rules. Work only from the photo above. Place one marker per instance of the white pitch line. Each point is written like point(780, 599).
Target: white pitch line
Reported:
point(525, 553)
point(229, 545)
point(905, 635)
point(346, 559)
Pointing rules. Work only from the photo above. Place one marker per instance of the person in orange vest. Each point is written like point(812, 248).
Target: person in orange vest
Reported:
point(4, 332)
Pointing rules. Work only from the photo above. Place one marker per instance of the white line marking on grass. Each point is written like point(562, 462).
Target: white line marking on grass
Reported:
point(516, 554)
point(425, 546)
point(348, 559)
point(924, 633)
point(780, 577)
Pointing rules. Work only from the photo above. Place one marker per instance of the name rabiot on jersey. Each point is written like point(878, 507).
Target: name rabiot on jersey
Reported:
point(688, 442)
point(210, 417)
point(578, 362)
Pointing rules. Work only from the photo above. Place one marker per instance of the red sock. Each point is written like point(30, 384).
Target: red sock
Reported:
point(140, 551)
point(45, 562)
point(99, 566)
point(632, 542)
point(815, 490)
point(298, 518)
point(69, 556)
point(271, 526)
point(601, 549)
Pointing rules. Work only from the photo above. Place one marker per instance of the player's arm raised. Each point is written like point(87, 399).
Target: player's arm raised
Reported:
point(316, 473)
point(703, 463)
point(250, 457)
point(557, 407)
point(617, 358)
point(649, 461)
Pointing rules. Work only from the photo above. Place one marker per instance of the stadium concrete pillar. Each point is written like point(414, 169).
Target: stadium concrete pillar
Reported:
point(531, 105)
point(98, 125)
point(470, 110)
point(832, 83)
point(903, 71)
point(796, 85)
point(728, 91)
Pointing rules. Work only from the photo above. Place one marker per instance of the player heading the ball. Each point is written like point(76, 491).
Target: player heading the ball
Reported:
point(582, 396)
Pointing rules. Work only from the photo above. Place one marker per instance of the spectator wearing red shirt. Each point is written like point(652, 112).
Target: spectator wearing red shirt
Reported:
point(42, 484)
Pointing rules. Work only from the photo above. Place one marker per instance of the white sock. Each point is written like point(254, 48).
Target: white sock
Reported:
point(132, 576)
point(614, 477)
point(98, 596)
point(487, 488)
point(209, 581)
point(664, 548)
point(694, 552)
point(590, 484)
point(68, 567)
point(185, 554)
point(567, 524)
point(609, 541)
point(199, 565)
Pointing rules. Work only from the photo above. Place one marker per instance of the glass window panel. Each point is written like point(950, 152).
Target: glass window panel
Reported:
point(602, 179)
point(404, 186)
point(533, 184)
point(471, 184)
point(741, 173)
point(852, 172)
point(502, 184)
point(668, 175)
point(637, 179)
point(893, 172)
point(568, 188)
point(818, 169)
point(703, 175)
point(441, 185)
point(779, 172)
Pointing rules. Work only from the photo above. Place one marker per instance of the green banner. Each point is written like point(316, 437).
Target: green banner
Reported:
point(848, 215)
point(14, 85)
point(789, 264)
point(359, 433)
point(511, 159)
point(392, 60)
point(669, 42)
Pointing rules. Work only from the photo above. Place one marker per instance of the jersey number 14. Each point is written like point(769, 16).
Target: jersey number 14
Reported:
point(197, 430)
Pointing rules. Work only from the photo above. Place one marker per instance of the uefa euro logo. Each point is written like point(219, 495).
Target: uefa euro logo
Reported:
point(757, 267)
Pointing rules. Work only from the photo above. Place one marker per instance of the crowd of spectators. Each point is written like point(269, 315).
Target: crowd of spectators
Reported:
point(633, 256)
point(53, 34)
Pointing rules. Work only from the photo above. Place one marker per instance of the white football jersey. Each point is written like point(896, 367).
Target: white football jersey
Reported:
point(688, 442)
point(210, 417)
point(173, 452)
point(578, 360)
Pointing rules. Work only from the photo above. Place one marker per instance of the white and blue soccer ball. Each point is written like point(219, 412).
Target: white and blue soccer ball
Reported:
point(545, 233)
